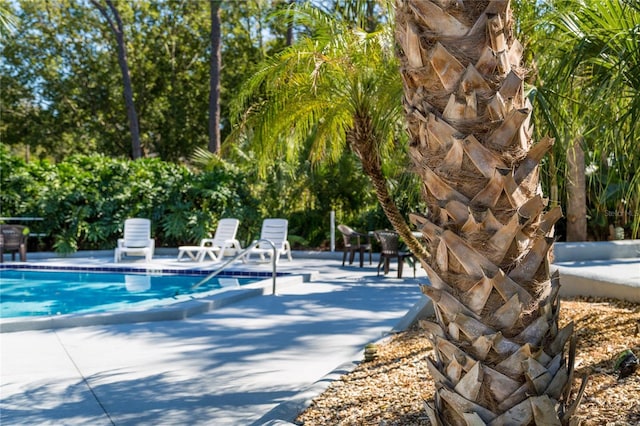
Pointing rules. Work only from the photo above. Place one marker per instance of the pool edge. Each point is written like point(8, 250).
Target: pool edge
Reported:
point(172, 312)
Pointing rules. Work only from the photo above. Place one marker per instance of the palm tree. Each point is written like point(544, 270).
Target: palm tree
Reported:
point(589, 87)
point(500, 356)
point(8, 21)
point(336, 88)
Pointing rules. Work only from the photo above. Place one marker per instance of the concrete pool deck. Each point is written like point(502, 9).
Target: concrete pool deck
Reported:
point(230, 366)
point(256, 361)
point(600, 269)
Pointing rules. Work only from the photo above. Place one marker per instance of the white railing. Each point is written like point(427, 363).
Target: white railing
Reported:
point(240, 255)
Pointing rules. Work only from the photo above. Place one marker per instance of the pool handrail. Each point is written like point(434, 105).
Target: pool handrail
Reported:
point(240, 255)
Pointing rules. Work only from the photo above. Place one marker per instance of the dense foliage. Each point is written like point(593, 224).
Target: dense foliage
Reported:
point(62, 96)
point(62, 88)
point(84, 200)
point(586, 87)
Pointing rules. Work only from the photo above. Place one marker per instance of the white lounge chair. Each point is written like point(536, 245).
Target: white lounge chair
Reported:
point(223, 242)
point(274, 230)
point(137, 240)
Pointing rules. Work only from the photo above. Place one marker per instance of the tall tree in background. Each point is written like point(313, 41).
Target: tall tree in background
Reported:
point(62, 88)
point(61, 92)
point(115, 23)
point(501, 358)
point(289, 37)
point(215, 63)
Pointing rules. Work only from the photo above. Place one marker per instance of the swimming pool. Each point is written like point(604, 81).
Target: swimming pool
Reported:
point(34, 293)
point(40, 299)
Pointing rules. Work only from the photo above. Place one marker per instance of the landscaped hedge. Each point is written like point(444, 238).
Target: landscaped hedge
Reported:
point(84, 200)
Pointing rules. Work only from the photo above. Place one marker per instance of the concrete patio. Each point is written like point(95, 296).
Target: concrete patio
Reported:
point(599, 269)
point(230, 366)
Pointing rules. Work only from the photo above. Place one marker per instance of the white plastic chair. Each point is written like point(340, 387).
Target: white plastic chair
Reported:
point(274, 230)
point(137, 240)
point(223, 242)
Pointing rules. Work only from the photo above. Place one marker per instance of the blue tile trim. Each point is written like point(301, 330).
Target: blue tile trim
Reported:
point(124, 270)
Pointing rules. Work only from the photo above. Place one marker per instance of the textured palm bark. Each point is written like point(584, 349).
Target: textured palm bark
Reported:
point(500, 357)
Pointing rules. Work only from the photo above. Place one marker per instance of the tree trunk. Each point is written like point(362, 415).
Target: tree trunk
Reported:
point(362, 141)
point(576, 193)
point(215, 63)
point(117, 29)
point(289, 36)
point(500, 356)
point(371, 20)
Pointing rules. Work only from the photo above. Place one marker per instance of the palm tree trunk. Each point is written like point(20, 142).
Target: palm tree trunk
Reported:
point(500, 356)
point(362, 140)
point(576, 182)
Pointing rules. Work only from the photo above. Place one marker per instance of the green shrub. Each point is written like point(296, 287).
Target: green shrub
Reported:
point(84, 200)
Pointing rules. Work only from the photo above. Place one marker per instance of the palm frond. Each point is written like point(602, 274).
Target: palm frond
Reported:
point(591, 66)
point(309, 92)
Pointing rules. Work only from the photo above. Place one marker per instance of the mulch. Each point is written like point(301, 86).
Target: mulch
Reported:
point(390, 390)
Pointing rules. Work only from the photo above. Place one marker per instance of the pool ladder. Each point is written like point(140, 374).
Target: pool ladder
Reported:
point(243, 253)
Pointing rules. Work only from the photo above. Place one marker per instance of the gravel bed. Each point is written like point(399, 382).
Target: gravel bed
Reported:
point(390, 389)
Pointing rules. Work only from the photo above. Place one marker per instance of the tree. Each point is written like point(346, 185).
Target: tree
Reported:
point(59, 85)
point(115, 23)
point(576, 193)
point(62, 90)
point(336, 88)
point(289, 36)
point(365, 14)
point(591, 50)
point(215, 63)
point(501, 357)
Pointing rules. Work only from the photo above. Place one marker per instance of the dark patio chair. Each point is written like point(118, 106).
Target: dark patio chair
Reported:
point(354, 242)
point(13, 238)
point(390, 243)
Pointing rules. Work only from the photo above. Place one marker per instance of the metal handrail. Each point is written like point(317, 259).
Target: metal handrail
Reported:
point(238, 256)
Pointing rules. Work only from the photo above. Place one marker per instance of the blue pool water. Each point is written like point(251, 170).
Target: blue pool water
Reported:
point(35, 293)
